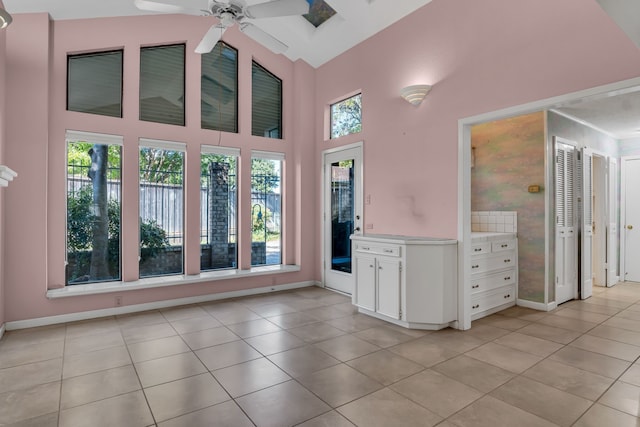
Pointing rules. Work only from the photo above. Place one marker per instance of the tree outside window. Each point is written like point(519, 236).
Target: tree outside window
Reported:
point(346, 116)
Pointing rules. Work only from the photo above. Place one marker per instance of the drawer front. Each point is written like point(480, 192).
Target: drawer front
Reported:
point(389, 250)
point(503, 245)
point(505, 260)
point(481, 248)
point(493, 281)
point(495, 298)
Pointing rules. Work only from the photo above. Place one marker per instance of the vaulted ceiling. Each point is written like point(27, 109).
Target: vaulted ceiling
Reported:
point(354, 21)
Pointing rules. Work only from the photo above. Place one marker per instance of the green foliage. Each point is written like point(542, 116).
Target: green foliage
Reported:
point(346, 116)
point(264, 176)
point(153, 239)
point(161, 166)
point(78, 155)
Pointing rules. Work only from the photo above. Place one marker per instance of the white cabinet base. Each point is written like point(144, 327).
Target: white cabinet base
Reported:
point(408, 281)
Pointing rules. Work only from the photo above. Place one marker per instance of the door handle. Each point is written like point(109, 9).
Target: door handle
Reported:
point(629, 227)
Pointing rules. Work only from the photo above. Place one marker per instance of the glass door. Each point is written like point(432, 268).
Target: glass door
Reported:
point(342, 215)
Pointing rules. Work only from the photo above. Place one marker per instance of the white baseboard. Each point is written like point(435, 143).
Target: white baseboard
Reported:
point(2, 329)
point(93, 314)
point(536, 305)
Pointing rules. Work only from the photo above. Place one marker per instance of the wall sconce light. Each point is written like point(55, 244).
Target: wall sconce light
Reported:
point(5, 18)
point(415, 94)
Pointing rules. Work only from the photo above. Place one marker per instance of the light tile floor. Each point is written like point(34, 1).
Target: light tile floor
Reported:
point(305, 357)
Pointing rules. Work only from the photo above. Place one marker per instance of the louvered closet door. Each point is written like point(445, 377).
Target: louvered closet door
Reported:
point(612, 230)
point(566, 241)
point(587, 224)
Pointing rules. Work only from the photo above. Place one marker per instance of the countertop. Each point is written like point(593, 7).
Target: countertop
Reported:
point(406, 240)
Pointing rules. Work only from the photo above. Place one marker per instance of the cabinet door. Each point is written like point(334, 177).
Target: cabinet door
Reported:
point(365, 295)
point(389, 287)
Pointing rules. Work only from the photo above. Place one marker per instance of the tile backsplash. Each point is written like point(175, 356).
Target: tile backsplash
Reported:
point(494, 221)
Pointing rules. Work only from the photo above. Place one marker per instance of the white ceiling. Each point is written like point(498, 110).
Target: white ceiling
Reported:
point(355, 21)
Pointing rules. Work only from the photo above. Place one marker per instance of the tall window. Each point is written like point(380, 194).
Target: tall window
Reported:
point(94, 83)
point(219, 89)
point(218, 208)
point(93, 208)
point(266, 103)
point(346, 116)
point(266, 208)
point(161, 207)
point(162, 84)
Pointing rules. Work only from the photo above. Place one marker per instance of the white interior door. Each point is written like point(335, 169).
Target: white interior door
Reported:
point(631, 218)
point(599, 204)
point(342, 215)
point(612, 222)
point(586, 285)
point(566, 263)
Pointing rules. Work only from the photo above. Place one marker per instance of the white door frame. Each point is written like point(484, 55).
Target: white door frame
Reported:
point(325, 231)
point(623, 215)
point(600, 189)
point(464, 188)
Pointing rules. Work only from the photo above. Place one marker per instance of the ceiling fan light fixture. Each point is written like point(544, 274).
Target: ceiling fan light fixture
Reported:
point(5, 18)
point(414, 94)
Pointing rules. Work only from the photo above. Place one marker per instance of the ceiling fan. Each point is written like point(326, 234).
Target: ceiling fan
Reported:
point(231, 12)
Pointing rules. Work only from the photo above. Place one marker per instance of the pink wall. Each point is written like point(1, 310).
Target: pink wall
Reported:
point(3, 73)
point(37, 60)
point(480, 56)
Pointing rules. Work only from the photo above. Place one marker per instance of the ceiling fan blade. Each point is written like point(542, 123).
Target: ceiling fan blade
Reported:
point(153, 6)
point(263, 38)
point(210, 39)
point(272, 9)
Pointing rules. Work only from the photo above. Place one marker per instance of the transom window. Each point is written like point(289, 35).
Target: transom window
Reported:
point(94, 83)
point(346, 116)
point(219, 89)
point(266, 102)
point(162, 84)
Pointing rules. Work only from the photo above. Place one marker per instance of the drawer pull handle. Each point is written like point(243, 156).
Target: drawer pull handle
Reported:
point(388, 251)
point(365, 248)
point(507, 296)
point(477, 249)
point(504, 246)
point(475, 286)
point(507, 278)
point(475, 306)
point(475, 266)
point(371, 265)
point(507, 260)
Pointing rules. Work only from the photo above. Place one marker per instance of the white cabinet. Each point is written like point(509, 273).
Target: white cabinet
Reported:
point(494, 273)
point(409, 281)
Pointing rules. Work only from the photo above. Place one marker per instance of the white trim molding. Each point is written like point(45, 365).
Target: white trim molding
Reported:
point(2, 330)
point(127, 309)
point(6, 175)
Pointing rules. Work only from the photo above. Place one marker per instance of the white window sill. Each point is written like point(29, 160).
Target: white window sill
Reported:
point(158, 282)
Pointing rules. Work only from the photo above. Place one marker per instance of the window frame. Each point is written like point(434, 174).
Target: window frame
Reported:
point(71, 137)
point(71, 56)
point(228, 152)
point(280, 127)
point(274, 156)
point(167, 146)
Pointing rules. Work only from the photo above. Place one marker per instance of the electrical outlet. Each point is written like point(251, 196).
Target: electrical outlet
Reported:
point(118, 300)
point(368, 226)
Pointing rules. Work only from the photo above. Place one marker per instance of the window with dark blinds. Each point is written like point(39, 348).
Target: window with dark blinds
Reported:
point(162, 84)
point(94, 83)
point(219, 89)
point(266, 103)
